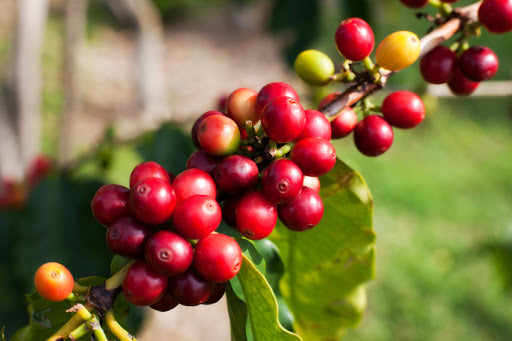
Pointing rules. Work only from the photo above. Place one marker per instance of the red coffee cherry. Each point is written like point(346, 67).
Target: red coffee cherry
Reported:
point(354, 39)
point(414, 3)
point(271, 91)
point(217, 258)
point(314, 155)
point(235, 174)
point(317, 125)
point(302, 213)
point(168, 253)
point(110, 203)
point(197, 122)
point(143, 285)
point(438, 66)
point(229, 206)
point(312, 182)
point(202, 160)
point(196, 216)
point(478, 63)
point(152, 201)
point(193, 181)
point(218, 135)
point(256, 216)
point(53, 281)
point(403, 109)
point(149, 169)
point(283, 119)
point(189, 288)
point(373, 135)
point(127, 237)
point(166, 303)
point(281, 181)
point(461, 86)
point(218, 291)
point(241, 106)
point(344, 123)
point(496, 15)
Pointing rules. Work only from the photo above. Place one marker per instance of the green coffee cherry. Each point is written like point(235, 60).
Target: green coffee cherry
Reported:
point(314, 67)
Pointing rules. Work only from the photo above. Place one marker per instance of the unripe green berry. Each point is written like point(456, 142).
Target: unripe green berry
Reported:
point(314, 67)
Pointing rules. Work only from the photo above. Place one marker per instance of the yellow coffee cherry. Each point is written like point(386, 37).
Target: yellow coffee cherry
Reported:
point(314, 67)
point(398, 50)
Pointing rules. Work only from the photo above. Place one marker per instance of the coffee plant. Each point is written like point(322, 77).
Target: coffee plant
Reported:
point(264, 211)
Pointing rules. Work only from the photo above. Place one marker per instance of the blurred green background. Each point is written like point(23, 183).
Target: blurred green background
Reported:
point(442, 193)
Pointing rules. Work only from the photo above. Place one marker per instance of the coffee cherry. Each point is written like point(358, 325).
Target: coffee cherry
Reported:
point(196, 216)
point(314, 67)
point(354, 39)
point(256, 216)
point(152, 201)
point(414, 3)
point(283, 119)
point(149, 169)
point(403, 109)
point(241, 107)
point(189, 288)
point(202, 160)
point(110, 203)
point(496, 15)
point(373, 135)
point(344, 123)
point(193, 181)
point(398, 50)
point(302, 213)
point(478, 63)
point(53, 281)
point(166, 303)
point(271, 91)
point(143, 285)
point(168, 253)
point(438, 66)
point(317, 125)
point(218, 291)
point(461, 86)
point(281, 181)
point(312, 182)
point(229, 206)
point(235, 174)
point(218, 135)
point(127, 237)
point(314, 155)
point(217, 258)
point(197, 122)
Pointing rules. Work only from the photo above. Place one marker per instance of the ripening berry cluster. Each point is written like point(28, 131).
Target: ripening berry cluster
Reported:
point(168, 229)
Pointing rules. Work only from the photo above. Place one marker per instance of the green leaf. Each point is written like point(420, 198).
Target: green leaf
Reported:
point(261, 307)
point(327, 266)
point(237, 315)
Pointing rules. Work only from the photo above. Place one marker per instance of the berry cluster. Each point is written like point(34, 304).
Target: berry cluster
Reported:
point(186, 264)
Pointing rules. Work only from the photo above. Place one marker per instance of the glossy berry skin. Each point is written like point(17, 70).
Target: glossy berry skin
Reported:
point(398, 50)
point(354, 39)
point(283, 119)
point(143, 285)
point(314, 67)
point(149, 169)
point(202, 160)
point(373, 135)
point(152, 201)
point(168, 253)
point(256, 216)
point(196, 216)
point(271, 91)
point(414, 3)
point(403, 109)
point(478, 63)
point(461, 86)
point(344, 123)
point(317, 125)
point(190, 289)
point(304, 212)
point(218, 291)
point(496, 15)
point(53, 281)
point(127, 237)
point(110, 203)
point(438, 66)
point(193, 181)
point(197, 122)
point(217, 258)
point(241, 106)
point(218, 135)
point(281, 181)
point(235, 174)
point(166, 302)
point(314, 155)
point(312, 182)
